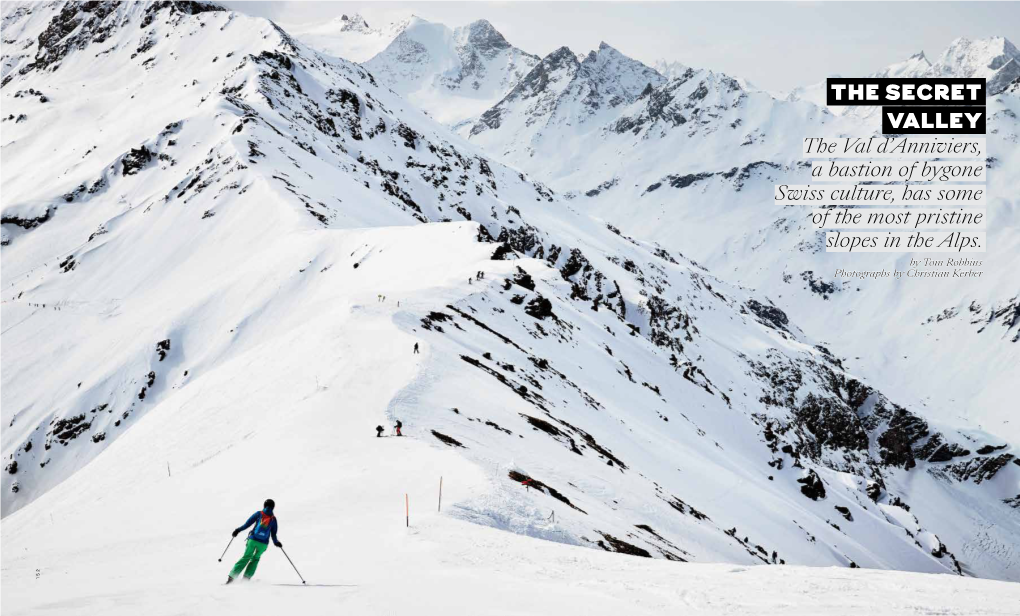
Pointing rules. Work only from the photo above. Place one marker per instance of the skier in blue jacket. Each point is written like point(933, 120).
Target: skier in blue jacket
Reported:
point(258, 540)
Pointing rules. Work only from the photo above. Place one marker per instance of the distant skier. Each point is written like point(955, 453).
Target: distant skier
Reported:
point(415, 348)
point(379, 431)
point(258, 540)
point(398, 427)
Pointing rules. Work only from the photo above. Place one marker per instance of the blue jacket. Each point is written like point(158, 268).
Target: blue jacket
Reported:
point(265, 526)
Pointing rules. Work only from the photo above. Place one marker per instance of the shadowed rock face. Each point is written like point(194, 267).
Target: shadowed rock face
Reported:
point(977, 469)
point(832, 423)
point(80, 24)
point(935, 450)
point(770, 314)
point(88, 21)
point(28, 223)
point(811, 486)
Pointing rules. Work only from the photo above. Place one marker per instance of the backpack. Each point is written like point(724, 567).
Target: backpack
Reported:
point(261, 530)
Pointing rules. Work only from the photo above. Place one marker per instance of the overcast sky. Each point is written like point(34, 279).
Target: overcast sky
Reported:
point(775, 45)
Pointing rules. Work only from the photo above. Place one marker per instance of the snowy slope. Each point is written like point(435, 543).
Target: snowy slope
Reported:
point(453, 75)
point(339, 495)
point(340, 504)
point(348, 36)
point(195, 280)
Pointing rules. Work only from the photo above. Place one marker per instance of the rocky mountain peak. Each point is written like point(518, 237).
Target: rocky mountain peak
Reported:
point(560, 55)
point(455, 75)
point(1009, 48)
point(603, 53)
point(354, 23)
point(483, 37)
point(965, 56)
point(669, 69)
point(483, 32)
point(995, 59)
point(559, 58)
point(615, 76)
point(415, 20)
point(561, 61)
point(599, 81)
point(916, 65)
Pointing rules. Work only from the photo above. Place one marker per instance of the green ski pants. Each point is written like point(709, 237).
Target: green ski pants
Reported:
point(252, 553)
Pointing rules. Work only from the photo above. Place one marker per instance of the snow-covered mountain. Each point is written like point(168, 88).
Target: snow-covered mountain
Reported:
point(602, 138)
point(348, 36)
point(994, 59)
point(561, 101)
point(916, 65)
point(220, 245)
point(608, 104)
point(453, 75)
point(689, 163)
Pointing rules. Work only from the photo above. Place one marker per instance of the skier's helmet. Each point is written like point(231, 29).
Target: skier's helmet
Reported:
point(270, 504)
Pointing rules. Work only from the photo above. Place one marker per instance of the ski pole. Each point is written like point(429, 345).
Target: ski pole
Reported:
point(226, 548)
point(292, 565)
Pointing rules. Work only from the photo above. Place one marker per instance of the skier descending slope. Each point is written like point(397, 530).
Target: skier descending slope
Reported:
point(258, 540)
